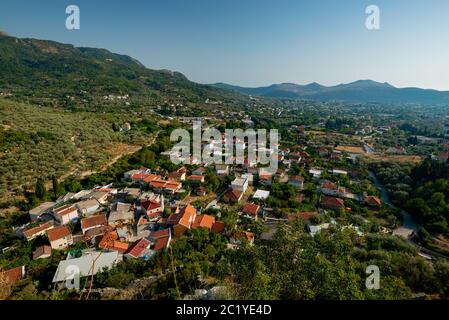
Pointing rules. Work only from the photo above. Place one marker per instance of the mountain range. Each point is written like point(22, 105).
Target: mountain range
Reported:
point(46, 71)
point(358, 91)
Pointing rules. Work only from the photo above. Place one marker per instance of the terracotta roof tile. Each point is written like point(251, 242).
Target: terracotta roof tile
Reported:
point(93, 221)
point(204, 221)
point(58, 233)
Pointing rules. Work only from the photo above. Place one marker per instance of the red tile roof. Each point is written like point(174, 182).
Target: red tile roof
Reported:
point(204, 221)
point(165, 184)
point(332, 202)
point(139, 176)
point(329, 185)
point(93, 221)
point(139, 247)
point(110, 241)
point(373, 201)
point(161, 243)
point(58, 233)
point(151, 177)
point(43, 226)
point(233, 194)
point(187, 215)
point(150, 205)
point(196, 178)
point(249, 236)
point(64, 210)
point(218, 227)
point(14, 275)
point(40, 251)
point(159, 234)
point(251, 209)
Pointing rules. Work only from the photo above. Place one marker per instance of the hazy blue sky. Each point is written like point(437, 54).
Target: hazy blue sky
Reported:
point(256, 42)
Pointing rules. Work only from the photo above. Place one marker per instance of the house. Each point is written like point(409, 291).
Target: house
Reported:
point(295, 157)
point(178, 175)
point(166, 185)
point(200, 191)
point(336, 172)
point(129, 173)
point(154, 235)
point(316, 173)
point(251, 209)
point(261, 195)
point(36, 230)
point(110, 241)
point(42, 252)
point(218, 227)
point(232, 196)
point(329, 188)
point(161, 244)
point(239, 237)
point(203, 221)
point(199, 171)
point(323, 152)
point(280, 173)
point(222, 170)
point(40, 210)
point(161, 239)
point(81, 194)
point(137, 174)
point(314, 229)
point(335, 155)
point(100, 195)
point(151, 177)
point(296, 181)
point(373, 201)
point(67, 197)
point(266, 179)
point(60, 237)
point(88, 264)
point(93, 222)
point(132, 193)
point(196, 179)
point(140, 249)
point(66, 214)
point(93, 233)
point(239, 184)
point(87, 207)
point(185, 219)
point(121, 213)
point(152, 207)
point(13, 276)
point(332, 203)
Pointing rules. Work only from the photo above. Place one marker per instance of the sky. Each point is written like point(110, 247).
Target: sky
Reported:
point(256, 42)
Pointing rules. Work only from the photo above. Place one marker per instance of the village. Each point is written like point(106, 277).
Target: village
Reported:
point(153, 209)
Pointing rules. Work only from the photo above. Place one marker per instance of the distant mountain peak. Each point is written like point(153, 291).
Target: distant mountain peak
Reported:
point(364, 91)
point(314, 85)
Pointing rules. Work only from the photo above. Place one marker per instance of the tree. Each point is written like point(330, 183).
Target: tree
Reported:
point(56, 188)
point(40, 190)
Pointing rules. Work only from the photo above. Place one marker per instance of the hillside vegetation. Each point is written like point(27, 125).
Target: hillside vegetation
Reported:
point(51, 73)
point(41, 142)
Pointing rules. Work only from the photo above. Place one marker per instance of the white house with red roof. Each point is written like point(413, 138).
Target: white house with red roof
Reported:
point(66, 214)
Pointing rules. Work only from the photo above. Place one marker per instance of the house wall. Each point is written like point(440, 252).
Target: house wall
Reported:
point(61, 243)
